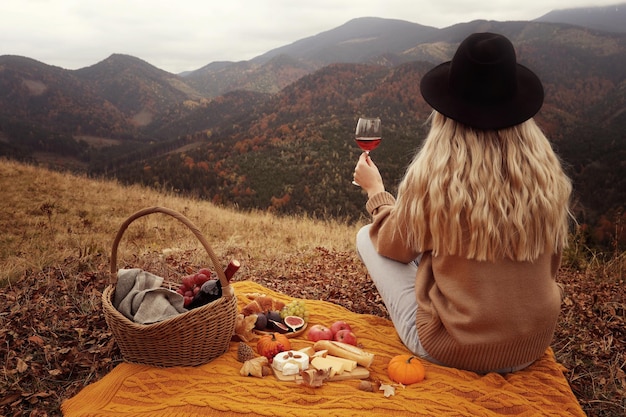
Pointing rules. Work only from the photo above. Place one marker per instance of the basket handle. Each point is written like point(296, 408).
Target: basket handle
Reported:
point(226, 288)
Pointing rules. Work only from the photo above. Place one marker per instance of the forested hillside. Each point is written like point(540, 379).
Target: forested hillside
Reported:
point(296, 152)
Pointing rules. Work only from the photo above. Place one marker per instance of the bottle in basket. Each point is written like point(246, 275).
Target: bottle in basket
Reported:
point(212, 289)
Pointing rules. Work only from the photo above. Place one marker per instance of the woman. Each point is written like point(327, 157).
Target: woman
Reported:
point(465, 259)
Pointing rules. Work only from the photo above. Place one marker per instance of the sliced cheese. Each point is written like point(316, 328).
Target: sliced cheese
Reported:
point(309, 351)
point(335, 367)
point(348, 364)
point(321, 353)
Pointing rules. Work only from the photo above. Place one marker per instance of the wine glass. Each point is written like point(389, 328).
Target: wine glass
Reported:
point(368, 135)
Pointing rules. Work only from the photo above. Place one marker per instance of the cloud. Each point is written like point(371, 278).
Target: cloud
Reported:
point(179, 35)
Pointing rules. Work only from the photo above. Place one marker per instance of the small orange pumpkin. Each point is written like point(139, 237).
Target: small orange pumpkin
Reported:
point(270, 345)
point(406, 369)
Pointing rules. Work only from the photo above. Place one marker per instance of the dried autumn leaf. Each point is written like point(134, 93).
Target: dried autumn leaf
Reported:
point(254, 367)
point(388, 390)
point(42, 394)
point(21, 366)
point(366, 386)
point(369, 386)
point(10, 398)
point(314, 378)
point(36, 340)
point(244, 326)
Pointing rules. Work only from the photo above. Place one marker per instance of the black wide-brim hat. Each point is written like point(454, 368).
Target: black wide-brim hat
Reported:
point(483, 86)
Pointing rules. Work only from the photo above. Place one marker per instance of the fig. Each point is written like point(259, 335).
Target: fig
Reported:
point(294, 322)
point(261, 322)
point(274, 315)
point(278, 326)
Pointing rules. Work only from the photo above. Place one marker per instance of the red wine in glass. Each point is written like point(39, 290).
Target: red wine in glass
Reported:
point(368, 134)
point(368, 144)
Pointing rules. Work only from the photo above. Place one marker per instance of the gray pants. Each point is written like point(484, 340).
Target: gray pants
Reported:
point(395, 282)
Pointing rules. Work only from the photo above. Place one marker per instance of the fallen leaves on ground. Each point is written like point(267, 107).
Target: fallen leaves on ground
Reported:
point(54, 340)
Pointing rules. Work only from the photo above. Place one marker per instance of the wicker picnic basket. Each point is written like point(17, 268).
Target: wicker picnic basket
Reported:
point(187, 339)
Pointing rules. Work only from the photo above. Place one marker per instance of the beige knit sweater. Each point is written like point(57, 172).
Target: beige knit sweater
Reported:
point(475, 315)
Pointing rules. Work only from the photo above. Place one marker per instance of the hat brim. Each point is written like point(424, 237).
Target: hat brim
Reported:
point(517, 109)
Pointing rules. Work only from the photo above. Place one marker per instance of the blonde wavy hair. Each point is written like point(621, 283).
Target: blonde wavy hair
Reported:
point(485, 195)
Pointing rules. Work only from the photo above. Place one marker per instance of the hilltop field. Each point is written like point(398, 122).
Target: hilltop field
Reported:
point(57, 230)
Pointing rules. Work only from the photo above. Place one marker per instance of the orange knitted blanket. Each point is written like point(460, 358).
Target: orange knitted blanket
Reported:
point(217, 389)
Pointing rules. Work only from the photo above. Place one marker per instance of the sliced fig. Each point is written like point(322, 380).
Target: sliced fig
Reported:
point(278, 326)
point(294, 322)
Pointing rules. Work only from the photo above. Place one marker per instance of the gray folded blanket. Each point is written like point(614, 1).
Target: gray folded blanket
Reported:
point(140, 297)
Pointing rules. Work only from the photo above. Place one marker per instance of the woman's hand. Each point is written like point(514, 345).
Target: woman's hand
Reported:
point(366, 174)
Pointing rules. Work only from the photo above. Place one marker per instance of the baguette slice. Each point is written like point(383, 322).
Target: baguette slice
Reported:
point(346, 351)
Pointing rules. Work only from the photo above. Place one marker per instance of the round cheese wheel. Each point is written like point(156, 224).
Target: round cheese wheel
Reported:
point(291, 361)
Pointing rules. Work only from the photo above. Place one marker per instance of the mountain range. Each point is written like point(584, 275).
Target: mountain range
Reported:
point(607, 18)
point(274, 133)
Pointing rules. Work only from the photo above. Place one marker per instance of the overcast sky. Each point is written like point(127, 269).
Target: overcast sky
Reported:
point(181, 35)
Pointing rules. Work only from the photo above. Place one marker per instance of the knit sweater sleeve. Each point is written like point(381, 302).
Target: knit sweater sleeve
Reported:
point(379, 200)
point(385, 234)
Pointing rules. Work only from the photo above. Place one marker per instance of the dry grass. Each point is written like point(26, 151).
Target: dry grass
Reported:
point(50, 216)
point(57, 231)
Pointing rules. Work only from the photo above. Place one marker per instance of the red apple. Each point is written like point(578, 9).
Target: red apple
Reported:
point(319, 332)
point(346, 336)
point(340, 325)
